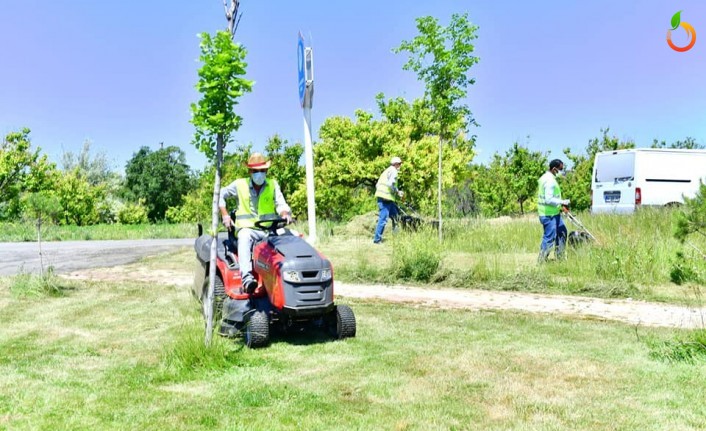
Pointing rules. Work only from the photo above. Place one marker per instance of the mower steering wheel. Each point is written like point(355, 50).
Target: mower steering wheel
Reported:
point(272, 224)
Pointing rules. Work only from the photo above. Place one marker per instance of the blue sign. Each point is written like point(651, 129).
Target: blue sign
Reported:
point(300, 63)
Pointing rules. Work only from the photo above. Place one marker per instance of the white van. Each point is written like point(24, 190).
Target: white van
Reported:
point(624, 179)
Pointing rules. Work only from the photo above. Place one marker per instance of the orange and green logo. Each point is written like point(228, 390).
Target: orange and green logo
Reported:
point(676, 23)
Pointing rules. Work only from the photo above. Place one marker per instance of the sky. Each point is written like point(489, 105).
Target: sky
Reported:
point(551, 74)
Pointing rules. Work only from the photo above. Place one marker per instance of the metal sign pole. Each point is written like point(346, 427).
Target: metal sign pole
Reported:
point(306, 96)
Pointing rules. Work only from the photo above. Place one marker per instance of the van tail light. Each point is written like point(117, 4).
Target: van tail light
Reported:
point(638, 196)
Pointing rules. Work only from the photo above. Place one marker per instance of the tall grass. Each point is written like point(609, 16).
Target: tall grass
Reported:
point(187, 352)
point(37, 286)
point(634, 256)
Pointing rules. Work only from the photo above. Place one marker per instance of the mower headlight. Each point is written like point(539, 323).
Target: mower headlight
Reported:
point(291, 276)
point(325, 274)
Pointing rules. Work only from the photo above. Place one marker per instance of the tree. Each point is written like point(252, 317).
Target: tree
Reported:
point(96, 169)
point(221, 84)
point(491, 185)
point(286, 168)
point(159, 177)
point(690, 220)
point(79, 199)
point(352, 153)
point(524, 167)
point(687, 144)
point(41, 206)
point(441, 57)
point(577, 184)
point(21, 170)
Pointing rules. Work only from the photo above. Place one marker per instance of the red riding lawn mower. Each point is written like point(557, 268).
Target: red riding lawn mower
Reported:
point(295, 286)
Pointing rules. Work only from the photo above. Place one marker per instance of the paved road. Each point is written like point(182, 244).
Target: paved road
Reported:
point(67, 256)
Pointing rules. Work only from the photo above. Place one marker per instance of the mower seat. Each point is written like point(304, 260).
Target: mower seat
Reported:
point(225, 242)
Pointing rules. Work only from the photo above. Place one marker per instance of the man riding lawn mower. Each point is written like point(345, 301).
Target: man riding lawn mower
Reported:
point(291, 283)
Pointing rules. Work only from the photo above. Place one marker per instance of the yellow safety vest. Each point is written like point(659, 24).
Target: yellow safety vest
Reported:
point(543, 208)
point(382, 190)
point(265, 203)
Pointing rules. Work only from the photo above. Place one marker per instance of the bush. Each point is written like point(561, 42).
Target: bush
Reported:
point(133, 213)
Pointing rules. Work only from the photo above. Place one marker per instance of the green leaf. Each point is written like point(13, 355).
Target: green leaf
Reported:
point(676, 20)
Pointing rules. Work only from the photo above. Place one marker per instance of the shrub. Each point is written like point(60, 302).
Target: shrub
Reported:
point(133, 213)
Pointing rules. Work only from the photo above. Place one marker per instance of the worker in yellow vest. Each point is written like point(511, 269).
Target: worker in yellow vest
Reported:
point(257, 197)
point(386, 193)
point(549, 205)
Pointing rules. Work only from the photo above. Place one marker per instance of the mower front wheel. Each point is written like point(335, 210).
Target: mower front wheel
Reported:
point(257, 330)
point(345, 322)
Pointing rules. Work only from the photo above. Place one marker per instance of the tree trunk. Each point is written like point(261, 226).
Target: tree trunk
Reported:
point(39, 242)
point(208, 303)
point(441, 145)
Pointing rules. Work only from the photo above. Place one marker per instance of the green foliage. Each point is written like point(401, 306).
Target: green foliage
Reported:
point(577, 184)
point(161, 178)
point(286, 168)
point(524, 167)
point(692, 217)
point(133, 213)
point(96, 169)
point(221, 84)
point(690, 220)
point(491, 186)
point(509, 181)
point(687, 144)
point(80, 201)
point(26, 285)
point(685, 269)
point(351, 155)
point(689, 348)
point(21, 170)
point(416, 257)
point(41, 206)
point(441, 57)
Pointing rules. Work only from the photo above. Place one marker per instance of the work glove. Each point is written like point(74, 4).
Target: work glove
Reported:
point(227, 222)
point(565, 202)
point(400, 193)
point(287, 216)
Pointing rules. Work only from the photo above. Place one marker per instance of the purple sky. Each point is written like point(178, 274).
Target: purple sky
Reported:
point(122, 74)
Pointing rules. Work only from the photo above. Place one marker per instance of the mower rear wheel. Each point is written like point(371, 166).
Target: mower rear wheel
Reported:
point(257, 330)
point(219, 295)
point(345, 322)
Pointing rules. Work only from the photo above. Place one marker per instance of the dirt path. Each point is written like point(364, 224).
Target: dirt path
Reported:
point(627, 311)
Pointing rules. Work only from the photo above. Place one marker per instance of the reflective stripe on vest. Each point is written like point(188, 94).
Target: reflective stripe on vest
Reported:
point(265, 203)
point(543, 208)
point(382, 190)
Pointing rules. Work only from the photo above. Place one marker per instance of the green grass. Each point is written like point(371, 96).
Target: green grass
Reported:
point(115, 356)
point(18, 232)
point(634, 257)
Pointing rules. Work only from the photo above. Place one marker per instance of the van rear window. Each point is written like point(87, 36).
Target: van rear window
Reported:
point(615, 167)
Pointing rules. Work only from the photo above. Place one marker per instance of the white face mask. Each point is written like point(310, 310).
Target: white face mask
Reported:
point(258, 178)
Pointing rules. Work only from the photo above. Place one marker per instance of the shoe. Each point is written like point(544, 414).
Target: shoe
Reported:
point(249, 285)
